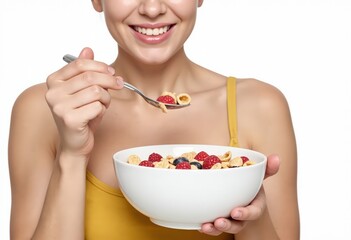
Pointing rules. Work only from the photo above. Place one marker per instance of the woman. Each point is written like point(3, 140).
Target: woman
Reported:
point(64, 132)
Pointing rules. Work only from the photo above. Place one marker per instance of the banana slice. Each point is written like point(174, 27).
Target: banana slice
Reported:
point(183, 99)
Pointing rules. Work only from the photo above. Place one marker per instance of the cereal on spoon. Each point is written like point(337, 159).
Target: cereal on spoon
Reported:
point(173, 98)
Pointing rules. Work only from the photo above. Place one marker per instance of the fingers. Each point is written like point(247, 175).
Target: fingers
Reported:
point(210, 229)
point(81, 82)
point(252, 211)
point(77, 68)
point(88, 79)
point(273, 164)
point(221, 225)
point(239, 217)
point(78, 92)
point(89, 95)
point(84, 67)
point(62, 103)
point(78, 97)
point(84, 114)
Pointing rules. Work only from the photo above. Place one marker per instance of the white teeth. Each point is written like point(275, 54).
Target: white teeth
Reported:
point(152, 31)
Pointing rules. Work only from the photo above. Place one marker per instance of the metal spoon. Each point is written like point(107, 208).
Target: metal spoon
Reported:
point(69, 58)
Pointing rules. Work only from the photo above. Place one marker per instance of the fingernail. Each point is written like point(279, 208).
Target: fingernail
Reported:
point(209, 228)
point(221, 224)
point(111, 70)
point(119, 81)
point(237, 214)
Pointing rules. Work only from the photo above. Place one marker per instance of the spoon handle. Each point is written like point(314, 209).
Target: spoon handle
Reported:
point(69, 58)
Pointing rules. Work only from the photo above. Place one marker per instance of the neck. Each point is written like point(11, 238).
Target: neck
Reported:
point(170, 75)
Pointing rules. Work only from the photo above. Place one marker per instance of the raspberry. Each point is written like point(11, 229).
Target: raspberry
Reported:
point(166, 99)
point(201, 156)
point(183, 165)
point(154, 157)
point(245, 159)
point(210, 161)
point(146, 163)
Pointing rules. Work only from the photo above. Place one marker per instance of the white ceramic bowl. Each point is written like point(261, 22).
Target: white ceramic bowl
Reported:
point(184, 199)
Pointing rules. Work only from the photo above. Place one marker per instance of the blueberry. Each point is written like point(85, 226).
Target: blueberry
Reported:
point(197, 164)
point(179, 160)
point(234, 166)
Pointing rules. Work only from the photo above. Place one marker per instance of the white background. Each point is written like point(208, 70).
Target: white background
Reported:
point(301, 46)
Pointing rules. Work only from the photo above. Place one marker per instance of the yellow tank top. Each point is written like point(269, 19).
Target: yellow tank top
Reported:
point(109, 216)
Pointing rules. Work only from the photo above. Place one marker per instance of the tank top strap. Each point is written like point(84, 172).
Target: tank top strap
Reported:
point(232, 112)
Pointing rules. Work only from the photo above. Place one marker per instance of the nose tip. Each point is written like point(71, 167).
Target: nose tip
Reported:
point(152, 8)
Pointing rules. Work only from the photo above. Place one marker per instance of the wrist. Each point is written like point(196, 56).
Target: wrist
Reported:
point(68, 161)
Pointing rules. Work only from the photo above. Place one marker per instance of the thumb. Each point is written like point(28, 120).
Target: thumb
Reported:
point(273, 163)
point(86, 53)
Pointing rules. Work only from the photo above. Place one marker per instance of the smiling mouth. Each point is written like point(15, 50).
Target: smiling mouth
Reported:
point(152, 31)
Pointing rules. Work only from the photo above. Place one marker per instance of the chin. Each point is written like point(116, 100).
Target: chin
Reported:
point(155, 56)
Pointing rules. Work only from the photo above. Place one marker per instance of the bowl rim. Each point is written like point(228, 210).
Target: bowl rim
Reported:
point(124, 161)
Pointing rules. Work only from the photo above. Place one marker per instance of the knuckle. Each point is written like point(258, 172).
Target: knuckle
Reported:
point(79, 63)
point(87, 77)
point(58, 110)
point(49, 96)
point(85, 64)
point(69, 120)
point(95, 91)
point(49, 80)
point(97, 107)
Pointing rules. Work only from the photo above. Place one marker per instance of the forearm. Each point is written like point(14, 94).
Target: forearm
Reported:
point(62, 215)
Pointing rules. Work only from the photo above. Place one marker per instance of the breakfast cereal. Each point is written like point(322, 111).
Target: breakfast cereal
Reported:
point(192, 160)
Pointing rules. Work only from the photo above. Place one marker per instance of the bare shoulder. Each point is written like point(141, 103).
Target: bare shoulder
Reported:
point(260, 95)
point(31, 102)
point(31, 117)
point(33, 93)
point(262, 110)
